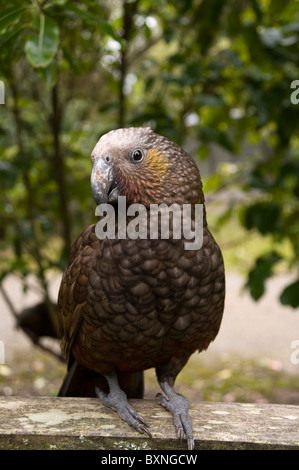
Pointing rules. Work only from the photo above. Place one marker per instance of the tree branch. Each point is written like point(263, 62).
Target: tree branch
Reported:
point(59, 167)
point(129, 10)
point(30, 199)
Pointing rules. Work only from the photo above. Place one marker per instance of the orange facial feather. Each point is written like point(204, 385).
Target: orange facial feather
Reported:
point(157, 162)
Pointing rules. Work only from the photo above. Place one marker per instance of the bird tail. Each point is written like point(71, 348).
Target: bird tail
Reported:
point(81, 382)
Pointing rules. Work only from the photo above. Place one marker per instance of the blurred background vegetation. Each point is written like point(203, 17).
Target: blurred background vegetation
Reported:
point(215, 76)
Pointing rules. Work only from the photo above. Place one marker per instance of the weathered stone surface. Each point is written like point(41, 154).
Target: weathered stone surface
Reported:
point(84, 423)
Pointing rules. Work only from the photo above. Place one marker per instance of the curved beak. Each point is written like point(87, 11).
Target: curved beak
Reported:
point(103, 183)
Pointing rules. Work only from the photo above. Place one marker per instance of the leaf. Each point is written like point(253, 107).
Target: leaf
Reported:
point(212, 182)
point(254, 44)
point(73, 63)
point(4, 40)
point(260, 273)
point(290, 295)
point(225, 216)
point(49, 75)
point(203, 151)
point(271, 37)
point(90, 18)
point(263, 216)
point(41, 46)
point(10, 17)
point(7, 174)
point(212, 101)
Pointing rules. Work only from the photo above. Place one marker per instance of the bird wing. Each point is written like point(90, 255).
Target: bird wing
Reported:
point(73, 288)
point(80, 381)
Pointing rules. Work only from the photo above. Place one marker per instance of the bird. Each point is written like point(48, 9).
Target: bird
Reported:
point(128, 304)
point(39, 320)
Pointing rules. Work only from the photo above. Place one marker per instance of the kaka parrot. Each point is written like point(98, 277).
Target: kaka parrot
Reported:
point(127, 305)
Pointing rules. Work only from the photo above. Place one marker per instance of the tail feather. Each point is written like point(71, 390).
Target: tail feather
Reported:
point(81, 382)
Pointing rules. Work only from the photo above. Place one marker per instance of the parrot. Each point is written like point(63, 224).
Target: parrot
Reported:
point(131, 303)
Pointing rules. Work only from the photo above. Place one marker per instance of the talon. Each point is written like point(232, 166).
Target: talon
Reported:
point(180, 433)
point(144, 429)
point(190, 444)
point(117, 400)
point(142, 420)
point(178, 406)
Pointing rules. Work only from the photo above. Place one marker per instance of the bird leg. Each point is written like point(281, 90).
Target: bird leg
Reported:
point(117, 400)
point(178, 405)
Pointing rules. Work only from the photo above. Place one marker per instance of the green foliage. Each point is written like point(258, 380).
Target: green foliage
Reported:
point(290, 295)
point(41, 47)
point(262, 270)
point(265, 216)
point(214, 73)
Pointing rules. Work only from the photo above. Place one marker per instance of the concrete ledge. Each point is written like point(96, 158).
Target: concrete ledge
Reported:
point(84, 423)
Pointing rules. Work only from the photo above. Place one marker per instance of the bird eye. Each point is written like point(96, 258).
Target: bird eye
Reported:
point(137, 155)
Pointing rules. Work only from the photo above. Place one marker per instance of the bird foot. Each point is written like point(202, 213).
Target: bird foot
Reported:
point(117, 400)
point(178, 406)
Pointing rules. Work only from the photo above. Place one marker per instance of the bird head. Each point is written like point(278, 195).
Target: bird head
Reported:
point(145, 167)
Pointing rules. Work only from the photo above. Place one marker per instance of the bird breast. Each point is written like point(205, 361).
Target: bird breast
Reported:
point(149, 300)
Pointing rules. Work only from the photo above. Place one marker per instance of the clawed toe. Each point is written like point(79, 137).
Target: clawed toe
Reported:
point(178, 405)
point(143, 429)
point(174, 402)
point(117, 400)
